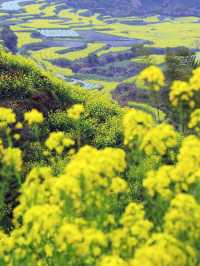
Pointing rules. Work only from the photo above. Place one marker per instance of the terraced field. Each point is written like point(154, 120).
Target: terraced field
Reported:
point(88, 48)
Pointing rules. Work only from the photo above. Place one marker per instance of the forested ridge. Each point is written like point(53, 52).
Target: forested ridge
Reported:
point(140, 7)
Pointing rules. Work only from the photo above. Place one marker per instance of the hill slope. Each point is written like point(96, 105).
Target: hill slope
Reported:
point(23, 86)
point(140, 7)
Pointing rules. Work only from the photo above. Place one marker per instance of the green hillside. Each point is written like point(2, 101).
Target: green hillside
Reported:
point(24, 86)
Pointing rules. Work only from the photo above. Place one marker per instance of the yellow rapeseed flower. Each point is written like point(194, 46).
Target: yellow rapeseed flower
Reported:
point(118, 185)
point(159, 181)
point(48, 250)
point(182, 218)
point(195, 80)
point(181, 92)
point(16, 136)
point(112, 261)
point(7, 116)
point(19, 125)
point(12, 157)
point(164, 250)
point(158, 140)
point(75, 111)
point(136, 124)
point(194, 122)
point(169, 180)
point(58, 141)
point(33, 117)
point(151, 77)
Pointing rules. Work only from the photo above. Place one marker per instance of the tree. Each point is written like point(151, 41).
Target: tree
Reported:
point(9, 39)
point(140, 50)
point(93, 59)
point(179, 63)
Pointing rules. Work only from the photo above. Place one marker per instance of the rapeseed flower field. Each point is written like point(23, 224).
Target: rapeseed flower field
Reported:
point(129, 205)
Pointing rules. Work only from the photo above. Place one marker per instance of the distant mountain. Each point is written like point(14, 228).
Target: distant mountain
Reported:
point(139, 7)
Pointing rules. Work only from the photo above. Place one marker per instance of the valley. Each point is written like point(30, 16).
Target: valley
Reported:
point(91, 49)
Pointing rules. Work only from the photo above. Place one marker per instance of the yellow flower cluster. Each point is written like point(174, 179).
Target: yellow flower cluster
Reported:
point(58, 141)
point(12, 157)
point(158, 140)
point(181, 93)
point(182, 219)
point(184, 92)
point(6, 117)
point(186, 172)
point(181, 176)
point(136, 124)
point(47, 218)
point(33, 117)
point(134, 231)
point(194, 122)
point(159, 181)
point(97, 164)
point(19, 125)
point(151, 77)
point(165, 250)
point(195, 80)
point(119, 185)
point(112, 261)
point(75, 111)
